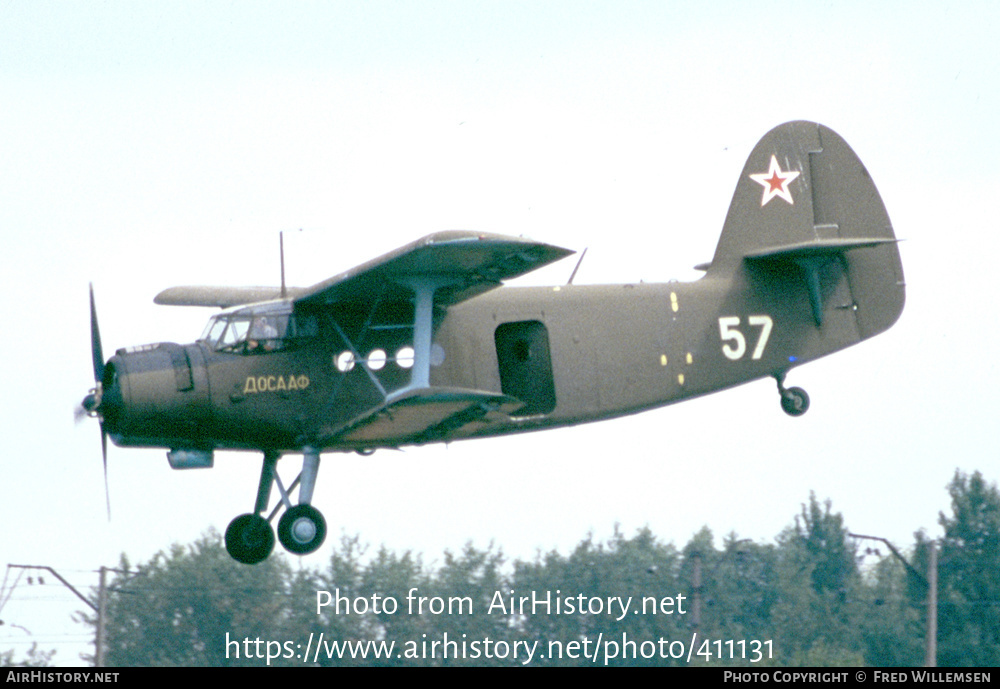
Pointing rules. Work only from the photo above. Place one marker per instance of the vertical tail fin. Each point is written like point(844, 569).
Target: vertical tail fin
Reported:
point(805, 204)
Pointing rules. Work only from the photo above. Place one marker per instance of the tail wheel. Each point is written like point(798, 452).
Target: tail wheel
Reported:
point(794, 401)
point(249, 539)
point(302, 529)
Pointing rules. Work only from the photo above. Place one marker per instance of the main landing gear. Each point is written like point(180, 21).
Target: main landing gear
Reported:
point(794, 401)
point(301, 529)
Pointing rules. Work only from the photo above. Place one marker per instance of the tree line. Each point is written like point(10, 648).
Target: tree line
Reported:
point(816, 596)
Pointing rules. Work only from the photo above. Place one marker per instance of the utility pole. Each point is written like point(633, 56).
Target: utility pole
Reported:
point(696, 583)
point(930, 636)
point(102, 613)
point(930, 660)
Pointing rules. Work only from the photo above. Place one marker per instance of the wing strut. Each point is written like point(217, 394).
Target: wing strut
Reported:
point(423, 331)
point(423, 316)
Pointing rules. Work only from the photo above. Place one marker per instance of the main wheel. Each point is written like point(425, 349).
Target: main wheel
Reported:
point(249, 539)
point(302, 529)
point(794, 401)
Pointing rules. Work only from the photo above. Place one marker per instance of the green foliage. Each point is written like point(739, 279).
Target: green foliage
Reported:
point(828, 552)
point(819, 603)
point(641, 568)
point(893, 628)
point(739, 589)
point(178, 608)
point(969, 575)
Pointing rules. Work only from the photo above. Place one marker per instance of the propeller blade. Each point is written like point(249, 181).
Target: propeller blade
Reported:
point(91, 403)
point(95, 340)
point(104, 455)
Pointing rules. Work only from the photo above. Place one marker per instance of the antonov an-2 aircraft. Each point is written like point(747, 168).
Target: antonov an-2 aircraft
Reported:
point(425, 344)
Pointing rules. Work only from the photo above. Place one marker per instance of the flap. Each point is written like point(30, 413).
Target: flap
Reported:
point(427, 414)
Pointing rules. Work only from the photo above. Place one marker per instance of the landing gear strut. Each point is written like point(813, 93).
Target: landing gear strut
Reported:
point(794, 401)
point(301, 529)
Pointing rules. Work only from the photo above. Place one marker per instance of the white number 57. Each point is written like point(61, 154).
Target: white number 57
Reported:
point(734, 343)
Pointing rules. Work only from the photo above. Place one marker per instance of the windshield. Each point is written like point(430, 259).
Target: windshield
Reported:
point(258, 329)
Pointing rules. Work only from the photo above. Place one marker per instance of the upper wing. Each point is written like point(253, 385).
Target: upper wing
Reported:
point(223, 297)
point(463, 263)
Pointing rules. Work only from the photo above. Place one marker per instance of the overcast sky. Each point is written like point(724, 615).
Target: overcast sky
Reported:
point(144, 145)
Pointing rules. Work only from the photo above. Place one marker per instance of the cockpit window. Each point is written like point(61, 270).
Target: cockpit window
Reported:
point(236, 332)
point(214, 330)
point(257, 330)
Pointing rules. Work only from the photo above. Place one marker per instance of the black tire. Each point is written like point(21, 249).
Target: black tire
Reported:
point(302, 529)
point(795, 401)
point(249, 539)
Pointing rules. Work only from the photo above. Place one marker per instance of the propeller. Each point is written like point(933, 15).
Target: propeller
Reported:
point(91, 404)
point(95, 340)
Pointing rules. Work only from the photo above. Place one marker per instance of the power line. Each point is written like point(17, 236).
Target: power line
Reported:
point(99, 608)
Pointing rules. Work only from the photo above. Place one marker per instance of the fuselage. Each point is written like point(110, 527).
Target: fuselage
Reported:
point(567, 354)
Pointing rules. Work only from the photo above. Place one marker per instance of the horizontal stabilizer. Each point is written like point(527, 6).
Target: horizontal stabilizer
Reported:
point(810, 257)
point(819, 248)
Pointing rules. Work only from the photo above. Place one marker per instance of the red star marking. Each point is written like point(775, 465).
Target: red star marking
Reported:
point(775, 182)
